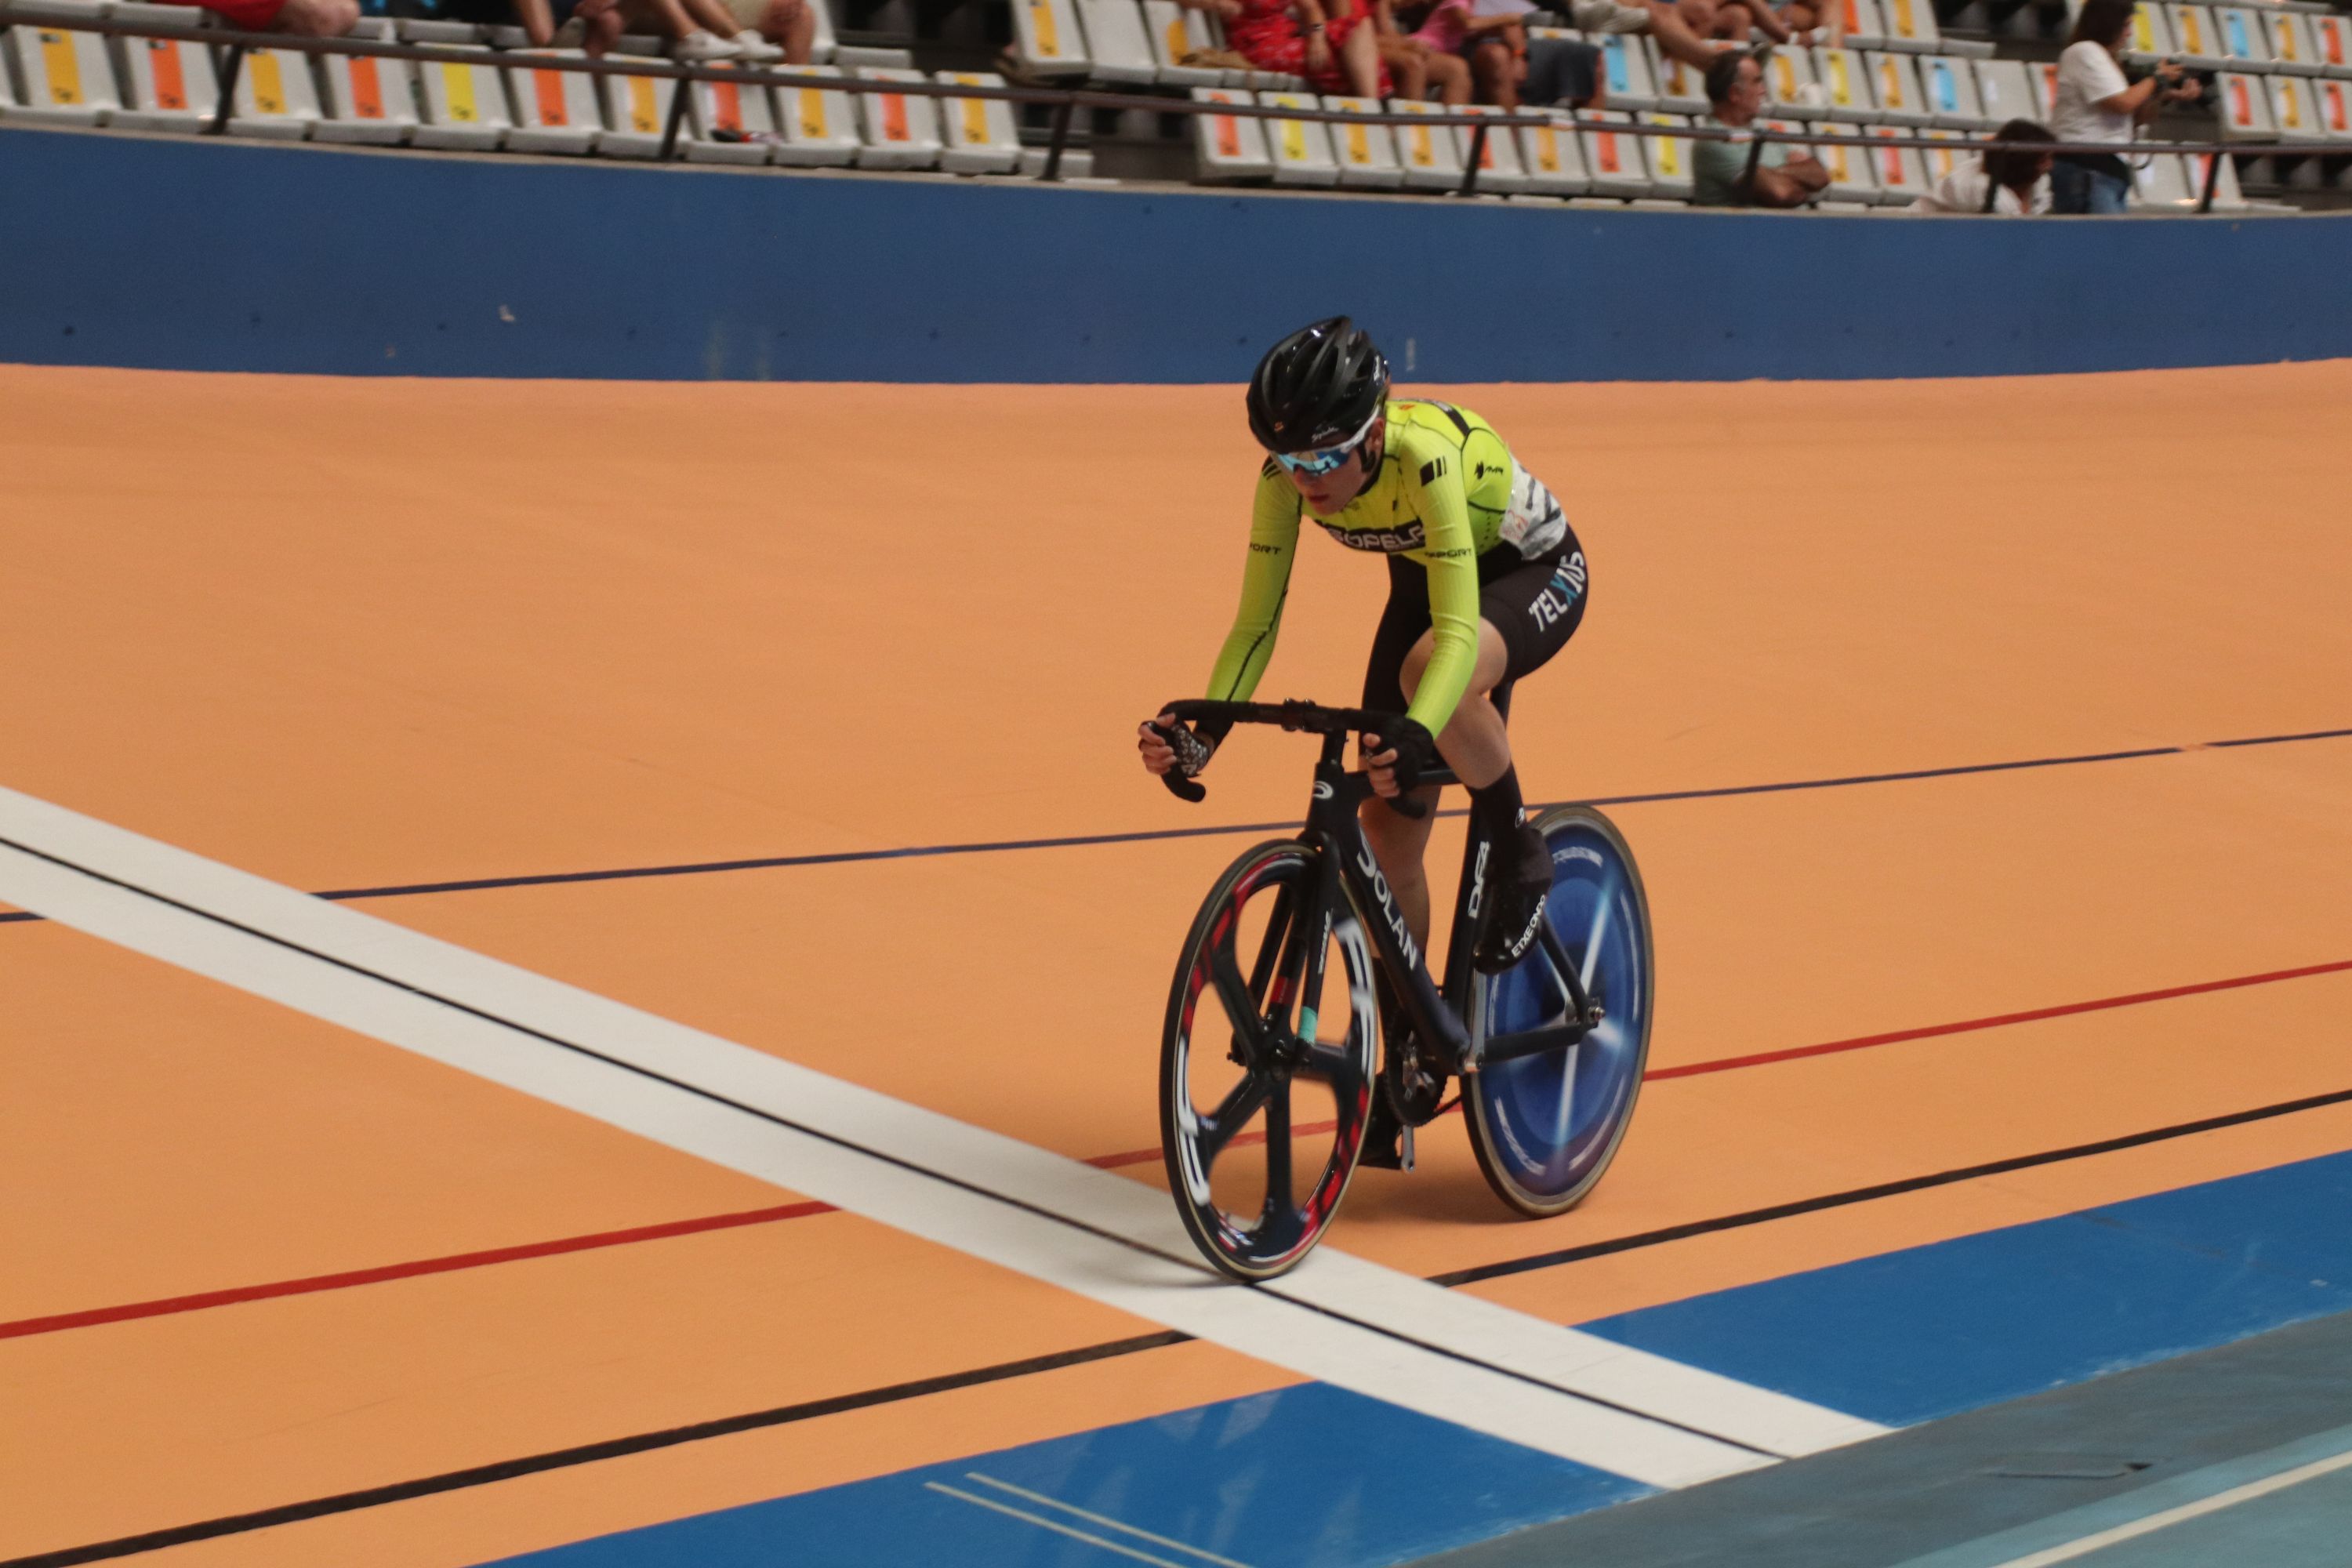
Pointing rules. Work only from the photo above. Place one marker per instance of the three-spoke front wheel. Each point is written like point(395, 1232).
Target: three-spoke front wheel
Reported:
point(1545, 1126)
point(1266, 1064)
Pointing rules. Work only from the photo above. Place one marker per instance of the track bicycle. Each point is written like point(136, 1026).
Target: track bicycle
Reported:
point(1549, 1053)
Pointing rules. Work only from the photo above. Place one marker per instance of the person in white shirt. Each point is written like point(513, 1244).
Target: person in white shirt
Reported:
point(2003, 182)
point(2096, 103)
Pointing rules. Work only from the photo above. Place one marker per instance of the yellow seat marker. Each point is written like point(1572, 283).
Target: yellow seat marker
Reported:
point(458, 82)
point(63, 67)
point(268, 84)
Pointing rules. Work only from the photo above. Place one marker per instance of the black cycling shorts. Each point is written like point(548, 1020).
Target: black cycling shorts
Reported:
point(1535, 606)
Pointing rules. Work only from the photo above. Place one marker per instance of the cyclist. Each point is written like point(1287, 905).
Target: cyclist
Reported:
point(1486, 582)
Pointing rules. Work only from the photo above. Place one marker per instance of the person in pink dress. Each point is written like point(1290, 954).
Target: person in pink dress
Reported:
point(1298, 38)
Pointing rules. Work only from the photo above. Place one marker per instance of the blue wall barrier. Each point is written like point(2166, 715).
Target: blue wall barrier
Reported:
point(123, 251)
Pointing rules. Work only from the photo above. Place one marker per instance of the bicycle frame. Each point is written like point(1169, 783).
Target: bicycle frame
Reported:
point(1438, 1013)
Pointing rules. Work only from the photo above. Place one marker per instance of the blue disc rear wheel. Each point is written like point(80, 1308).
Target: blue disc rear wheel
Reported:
point(1545, 1126)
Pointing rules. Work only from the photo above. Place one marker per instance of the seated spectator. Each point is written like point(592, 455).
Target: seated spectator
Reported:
point(1335, 54)
point(309, 18)
point(699, 31)
point(1746, 173)
point(1419, 53)
point(1802, 21)
point(1683, 28)
point(2011, 183)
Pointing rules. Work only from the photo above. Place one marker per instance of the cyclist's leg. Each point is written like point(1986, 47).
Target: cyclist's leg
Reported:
point(1397, 840)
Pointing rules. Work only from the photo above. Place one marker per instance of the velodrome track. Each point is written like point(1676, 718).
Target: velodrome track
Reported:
point(372, 638)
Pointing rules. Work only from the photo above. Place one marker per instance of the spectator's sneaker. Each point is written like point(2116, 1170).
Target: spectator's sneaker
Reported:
point(1521, 885)
point(572, 35)
point(752, 48)
point(699, 48)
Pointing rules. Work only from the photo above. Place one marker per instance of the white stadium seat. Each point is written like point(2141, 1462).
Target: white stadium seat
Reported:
point(726, 122)
point(1174, 32)
point(275, 97)
point(2195, 40)
point(1844, 81)
point(554, 111)
point(1945, 160)
point(1554, 161)
point(2175, 182)
point(1790, 85)
point(636, 115)
point(2295, 109)
point(170, 85)
point(1910, 26)
point(1432, 158)
point(369, 100)
point(1626, 72)
point(819, 124)
point(1901, 171)
point(8, 88)
point(1670, 157)
point(1948, 87)
point(1895, 81)
point(2005, 91)
point(465, 106)
point(2243, 107)
point(979, 133)
point(1231, 146)
point(1117, 42)
point(1301, 148)
point(901, 130)
point(2293, 47)
point(1366, 154)
point(1865, 27)
point(1848, 161)
point(2333, 36)
point(66, 76)
point(1046, 38)
point(1682, 89)
point(2335, 109)
point(1616, 161)
point(2150, 37)
point(1500, 172)
point(2243, 42)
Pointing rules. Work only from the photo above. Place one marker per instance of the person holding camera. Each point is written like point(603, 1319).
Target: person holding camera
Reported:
point(2096, 103)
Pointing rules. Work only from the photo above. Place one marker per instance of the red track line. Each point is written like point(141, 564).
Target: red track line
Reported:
point(1726, 1063)
point(173, 1304)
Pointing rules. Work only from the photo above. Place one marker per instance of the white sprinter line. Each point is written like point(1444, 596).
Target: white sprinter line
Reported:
point(1339, 1318)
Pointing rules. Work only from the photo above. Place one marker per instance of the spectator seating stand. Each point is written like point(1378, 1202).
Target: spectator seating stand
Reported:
point(902, 129)
point(1231, 146)
point(1367, 155)
point(555, 110)
point(1431, 155)
point(370, 101)
point(171, 84)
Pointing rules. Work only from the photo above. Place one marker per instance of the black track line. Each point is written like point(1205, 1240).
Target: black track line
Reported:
point(483, 1475)
point(989, 847)
point(1268, 1288)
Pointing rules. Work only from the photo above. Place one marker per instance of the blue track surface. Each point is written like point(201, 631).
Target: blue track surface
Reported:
point(1313, 1475)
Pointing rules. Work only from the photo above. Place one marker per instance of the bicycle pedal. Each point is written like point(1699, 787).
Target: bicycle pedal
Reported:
point(1387, 1148)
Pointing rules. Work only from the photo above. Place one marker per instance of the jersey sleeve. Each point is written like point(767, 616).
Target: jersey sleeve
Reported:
point(1266, 585)
point(1433, 486)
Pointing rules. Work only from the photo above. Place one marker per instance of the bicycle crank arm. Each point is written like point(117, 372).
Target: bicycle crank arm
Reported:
point(1532, 1042)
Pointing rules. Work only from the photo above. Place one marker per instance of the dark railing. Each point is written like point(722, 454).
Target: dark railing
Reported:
point(1063, 101)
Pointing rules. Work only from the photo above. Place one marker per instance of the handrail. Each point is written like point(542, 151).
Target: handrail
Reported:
point(1065, 101)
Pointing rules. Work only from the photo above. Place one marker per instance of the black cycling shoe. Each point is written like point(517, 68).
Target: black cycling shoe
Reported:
point(1388, 1142)
point(1521, 886)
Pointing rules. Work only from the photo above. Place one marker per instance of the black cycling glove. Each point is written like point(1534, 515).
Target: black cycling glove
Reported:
point(1415, 752)
point(1193, 748)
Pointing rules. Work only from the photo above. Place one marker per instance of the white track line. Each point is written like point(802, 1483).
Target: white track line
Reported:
point(1339, 1319)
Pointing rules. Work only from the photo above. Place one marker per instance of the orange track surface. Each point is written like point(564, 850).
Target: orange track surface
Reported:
point(349, 634)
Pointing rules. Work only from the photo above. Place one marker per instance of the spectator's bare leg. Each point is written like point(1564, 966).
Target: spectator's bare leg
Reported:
point(1494, 66)
point(1359, 62)
point(1675, 38)
point(793, 24)
point(605, 26)
point(1733, 21)
point(1449, 80)
point(1408, 64)
point(319, 18)
point(710, 16)
point(538, 19)
point(666, 17)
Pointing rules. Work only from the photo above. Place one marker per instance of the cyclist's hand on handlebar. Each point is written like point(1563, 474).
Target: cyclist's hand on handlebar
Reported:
point(1397, 761)
point(1169, 746)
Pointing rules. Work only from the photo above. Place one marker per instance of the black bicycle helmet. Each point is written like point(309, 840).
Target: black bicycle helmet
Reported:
point(1317, 387)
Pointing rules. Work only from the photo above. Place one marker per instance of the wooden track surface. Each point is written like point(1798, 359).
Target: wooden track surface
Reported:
point(352, 635)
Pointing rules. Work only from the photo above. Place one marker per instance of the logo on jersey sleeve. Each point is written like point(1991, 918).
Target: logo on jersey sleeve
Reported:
point(1433, 470)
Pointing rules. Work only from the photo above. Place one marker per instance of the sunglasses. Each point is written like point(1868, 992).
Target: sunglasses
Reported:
point(1322, 460)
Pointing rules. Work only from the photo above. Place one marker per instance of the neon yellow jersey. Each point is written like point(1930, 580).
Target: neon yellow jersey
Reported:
point(1448, 491)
